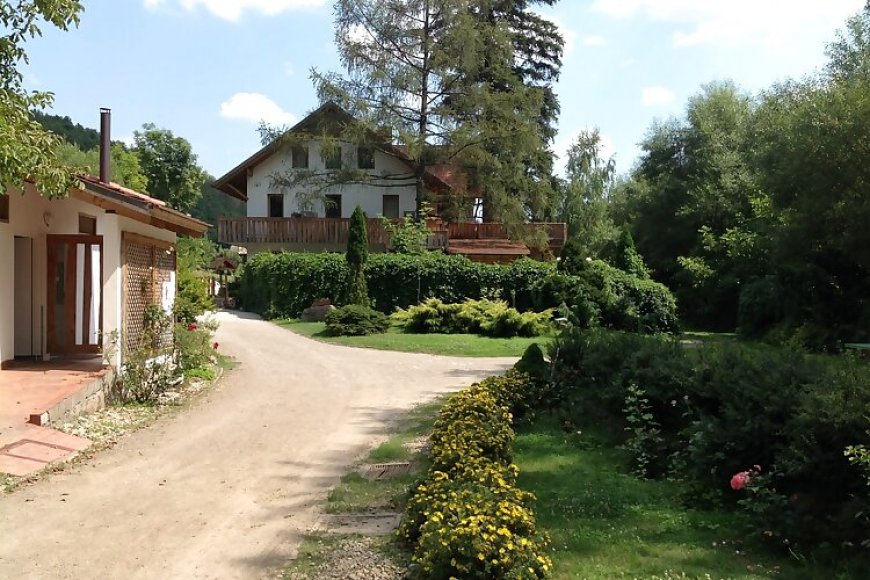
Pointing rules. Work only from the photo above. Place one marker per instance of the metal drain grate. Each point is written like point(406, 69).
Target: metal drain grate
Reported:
point(385, 470)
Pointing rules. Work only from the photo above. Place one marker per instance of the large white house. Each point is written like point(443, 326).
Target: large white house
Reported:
point(77, 270)
point(301, 189)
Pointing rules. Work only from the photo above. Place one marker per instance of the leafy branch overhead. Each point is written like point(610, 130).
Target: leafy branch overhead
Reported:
point(25, 147)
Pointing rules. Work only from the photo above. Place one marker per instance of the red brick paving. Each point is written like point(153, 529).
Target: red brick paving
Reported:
point(32, 389)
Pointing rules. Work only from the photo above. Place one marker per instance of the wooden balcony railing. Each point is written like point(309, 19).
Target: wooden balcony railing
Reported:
point(313, 232)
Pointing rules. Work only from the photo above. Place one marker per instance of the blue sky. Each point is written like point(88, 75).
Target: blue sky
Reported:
point(210, 69)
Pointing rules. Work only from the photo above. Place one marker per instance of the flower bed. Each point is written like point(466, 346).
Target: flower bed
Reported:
point(467, 519)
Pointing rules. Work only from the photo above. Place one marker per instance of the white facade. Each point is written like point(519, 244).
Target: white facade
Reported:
point(24, 285)
point(369, 196)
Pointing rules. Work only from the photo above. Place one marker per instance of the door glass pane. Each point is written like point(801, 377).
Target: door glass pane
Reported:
point(59, 294)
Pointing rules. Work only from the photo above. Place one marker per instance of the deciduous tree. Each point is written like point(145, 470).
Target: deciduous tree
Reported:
point(170, 166)
point(25, 146)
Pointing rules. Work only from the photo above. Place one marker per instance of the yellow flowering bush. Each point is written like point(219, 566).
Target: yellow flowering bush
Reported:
point(467, 518)
point(481, 532)
point(472, 424)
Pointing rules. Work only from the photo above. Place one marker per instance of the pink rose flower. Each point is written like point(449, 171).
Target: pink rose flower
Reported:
point(740, 480)
point(192, 326)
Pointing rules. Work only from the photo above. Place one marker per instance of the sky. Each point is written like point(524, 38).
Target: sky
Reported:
point(210, 70)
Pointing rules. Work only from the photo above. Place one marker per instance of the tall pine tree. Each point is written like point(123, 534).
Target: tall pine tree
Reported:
point(419, 68)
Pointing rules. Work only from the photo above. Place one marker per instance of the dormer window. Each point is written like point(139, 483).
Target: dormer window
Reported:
point(365, 157)
point(300, 156)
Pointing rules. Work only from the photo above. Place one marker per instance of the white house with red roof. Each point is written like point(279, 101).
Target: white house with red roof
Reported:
point(311, 212)
point(78, 271)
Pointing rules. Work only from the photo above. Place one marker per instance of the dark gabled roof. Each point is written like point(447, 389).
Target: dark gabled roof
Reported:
point(328, 117)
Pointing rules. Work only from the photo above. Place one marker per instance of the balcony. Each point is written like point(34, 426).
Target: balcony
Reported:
point(320, 234)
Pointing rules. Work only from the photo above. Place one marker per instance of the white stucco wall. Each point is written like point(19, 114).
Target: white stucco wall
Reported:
point(28, 216)
point(367, 196)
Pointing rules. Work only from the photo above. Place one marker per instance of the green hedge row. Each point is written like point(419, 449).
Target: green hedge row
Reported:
point(778, 420)
point(468, 519)
point(282, 285)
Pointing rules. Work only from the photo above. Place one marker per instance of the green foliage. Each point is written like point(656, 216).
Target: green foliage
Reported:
point(601, 295)
point(25, 145)
point(467, 518)
point(192, 299)
point(409, 236)
point(486, 317)
point(149, 370)
point(170, 166)
point(533, 363)
point(466, 94)
point(282, 285)
point(627, 257)
point(574, 256)
point(194, 348)
point(356, 256)
point(356, 320)
point(750, 195)
point(214, 204)
point(704, 414)
point(357, 240)
point(125, 163)
point(82, 138)
point(583, 203)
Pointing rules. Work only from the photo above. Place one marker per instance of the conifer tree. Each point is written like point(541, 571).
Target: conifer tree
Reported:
point(357, 254)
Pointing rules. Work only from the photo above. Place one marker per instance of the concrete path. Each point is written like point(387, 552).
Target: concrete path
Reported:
point(224, 490)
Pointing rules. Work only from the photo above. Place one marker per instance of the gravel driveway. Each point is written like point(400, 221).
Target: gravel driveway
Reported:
point(225, 489)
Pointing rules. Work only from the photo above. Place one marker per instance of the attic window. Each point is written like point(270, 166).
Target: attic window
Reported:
point(4, 207)
point(300, 156)
point(365, 157)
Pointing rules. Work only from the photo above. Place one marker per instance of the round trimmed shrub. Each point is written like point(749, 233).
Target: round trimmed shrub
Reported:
point(355, 320)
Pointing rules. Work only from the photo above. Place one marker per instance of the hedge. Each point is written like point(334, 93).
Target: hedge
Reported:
point(468, 519)
point(780, 419)
point(282, 285)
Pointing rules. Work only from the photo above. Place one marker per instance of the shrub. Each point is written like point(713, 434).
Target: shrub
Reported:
point(356, 320)
point(533, 363)
point(486, 317)
point(601, 295)
point(705, 414)
point(480, 529)
point(473, 425)
point(193, 346)
point(467, 519)
point(192, 299)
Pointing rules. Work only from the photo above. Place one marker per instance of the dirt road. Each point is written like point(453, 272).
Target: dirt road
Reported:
point(225, 489)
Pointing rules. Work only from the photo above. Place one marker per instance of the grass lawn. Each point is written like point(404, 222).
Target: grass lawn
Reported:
point(444, 344)
point(605, 523)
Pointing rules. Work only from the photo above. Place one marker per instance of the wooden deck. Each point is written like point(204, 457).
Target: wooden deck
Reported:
point(331, 233)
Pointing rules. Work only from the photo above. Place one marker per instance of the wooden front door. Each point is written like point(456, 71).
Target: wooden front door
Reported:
point(74, 294)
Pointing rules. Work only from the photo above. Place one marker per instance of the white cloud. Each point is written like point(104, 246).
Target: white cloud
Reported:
point(656, 96)
point(594, 40)
point(775, 22)
point(232, 10)
point(255, 107)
